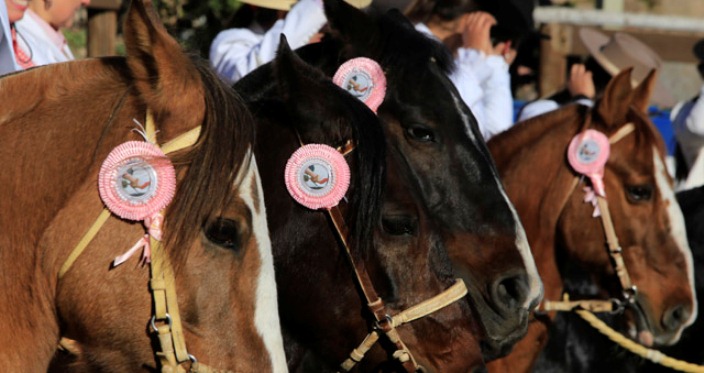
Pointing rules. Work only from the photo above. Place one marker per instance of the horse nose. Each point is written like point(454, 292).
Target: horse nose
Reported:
point(510, 292)
point(675, 317)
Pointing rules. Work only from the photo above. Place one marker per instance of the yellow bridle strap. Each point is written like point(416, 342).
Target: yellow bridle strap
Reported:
point(180, 142)
point(425, 308)
point(565, 305)
point(162, 283)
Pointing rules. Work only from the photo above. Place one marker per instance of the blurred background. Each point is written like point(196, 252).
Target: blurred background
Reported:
point(670, 27)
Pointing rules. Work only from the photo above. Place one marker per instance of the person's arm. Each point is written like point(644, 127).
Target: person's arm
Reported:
point(7, 54)
point(497, 100)
point(236, 52)
point(470, 89)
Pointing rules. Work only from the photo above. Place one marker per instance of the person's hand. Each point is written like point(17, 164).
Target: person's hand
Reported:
point(580, 82)
point(475, 29)
point(504, 49)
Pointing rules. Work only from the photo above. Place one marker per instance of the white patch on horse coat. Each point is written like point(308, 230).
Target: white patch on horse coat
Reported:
point(678, 229)
point(266, 317)
point(536, 284)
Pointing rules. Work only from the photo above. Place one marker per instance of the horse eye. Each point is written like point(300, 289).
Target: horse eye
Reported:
point(421, 134)
point(399, 225)
point(639, 193)
point(223, 232)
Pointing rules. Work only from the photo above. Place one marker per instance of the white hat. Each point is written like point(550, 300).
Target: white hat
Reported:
point(287, 4)
point(619, 51)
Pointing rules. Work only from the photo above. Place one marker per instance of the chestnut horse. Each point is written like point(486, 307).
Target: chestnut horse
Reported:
point(57, 125)
point(435, 136)
point(593, 352)
point(324, 316)
point(569, 244)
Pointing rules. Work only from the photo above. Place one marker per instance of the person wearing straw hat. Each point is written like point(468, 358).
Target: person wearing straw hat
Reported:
point(237, 51)
point(607, 56)
point(688, 125)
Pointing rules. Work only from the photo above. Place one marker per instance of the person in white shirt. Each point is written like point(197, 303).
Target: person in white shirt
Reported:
point(482, 60)
point(11, 53)
point(238, 51)
point(688, 125)
point(41, 28)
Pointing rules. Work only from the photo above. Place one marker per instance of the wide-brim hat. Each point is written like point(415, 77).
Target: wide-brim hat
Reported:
point(287, 4)
point(620, 51)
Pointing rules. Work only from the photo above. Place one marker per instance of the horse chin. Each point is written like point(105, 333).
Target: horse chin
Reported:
point(640, 328)
point(501, 330)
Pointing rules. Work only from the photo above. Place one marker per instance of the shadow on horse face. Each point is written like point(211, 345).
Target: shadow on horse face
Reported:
point(436, 135)
point(215, 230)
point(323, 315)
point(569, 243)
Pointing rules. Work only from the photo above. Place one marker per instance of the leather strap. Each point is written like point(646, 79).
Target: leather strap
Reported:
point(173, 352)
point(615, 253)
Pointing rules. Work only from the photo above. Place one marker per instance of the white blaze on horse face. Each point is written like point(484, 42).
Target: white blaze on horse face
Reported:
point(266, 316)
point(536, 284)
point(678, 229)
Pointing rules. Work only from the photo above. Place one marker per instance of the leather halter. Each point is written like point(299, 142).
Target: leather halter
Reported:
point(173, 353)
point(384, 322)
point(629, 291)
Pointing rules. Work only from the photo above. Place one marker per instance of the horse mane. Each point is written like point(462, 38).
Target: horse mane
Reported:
point(212, 164)
point(370, 174)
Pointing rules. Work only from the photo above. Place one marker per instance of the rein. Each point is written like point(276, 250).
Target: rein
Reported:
point(615, 253)
point(384, 323)
point(173, 352)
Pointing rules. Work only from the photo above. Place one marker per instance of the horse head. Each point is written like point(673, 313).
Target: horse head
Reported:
point(214, 256)
point(325, 312)
point(435, 134)
point(646, 216)
point(547, 164)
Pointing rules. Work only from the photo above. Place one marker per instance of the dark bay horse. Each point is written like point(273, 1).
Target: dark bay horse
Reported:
point(57, 125)
point(323, 315)
point(432, 132)
point(569, 244)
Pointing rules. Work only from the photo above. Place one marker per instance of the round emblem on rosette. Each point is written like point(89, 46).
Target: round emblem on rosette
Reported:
point(136, 180)
point(317, 176)
point(587, 154)
point(362, 78)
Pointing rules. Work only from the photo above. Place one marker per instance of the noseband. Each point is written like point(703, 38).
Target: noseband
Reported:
point(385, 323)
point(629, 291)
point(173, 353)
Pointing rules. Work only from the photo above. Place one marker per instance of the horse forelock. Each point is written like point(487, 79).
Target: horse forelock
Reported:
point(212, 164)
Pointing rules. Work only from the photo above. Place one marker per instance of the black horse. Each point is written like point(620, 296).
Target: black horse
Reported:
point(436, 136)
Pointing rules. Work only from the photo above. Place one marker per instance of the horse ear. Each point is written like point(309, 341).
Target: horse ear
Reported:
point(616, 100)
point(349, 23)
point(298, 82)
point(641, 96)
point(164, 76)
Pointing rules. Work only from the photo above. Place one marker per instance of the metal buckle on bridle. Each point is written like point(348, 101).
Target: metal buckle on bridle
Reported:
point(167, 319)
point(630, 294)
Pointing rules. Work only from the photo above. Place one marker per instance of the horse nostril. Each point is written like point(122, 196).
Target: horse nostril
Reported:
point(510, 292)
point(675, 317)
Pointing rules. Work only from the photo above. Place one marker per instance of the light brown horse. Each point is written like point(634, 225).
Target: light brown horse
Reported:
point(569, 244)
point(57, 125)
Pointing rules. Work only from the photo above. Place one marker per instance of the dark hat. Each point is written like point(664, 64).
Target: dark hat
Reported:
point(514, 18)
